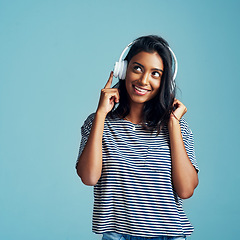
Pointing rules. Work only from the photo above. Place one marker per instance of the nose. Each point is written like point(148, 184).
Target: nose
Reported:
point(144, 79)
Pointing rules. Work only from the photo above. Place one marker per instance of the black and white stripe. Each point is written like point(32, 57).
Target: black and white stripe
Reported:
point(134, 194)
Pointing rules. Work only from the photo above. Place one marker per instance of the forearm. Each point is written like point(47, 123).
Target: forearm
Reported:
point(89, 165)
point(184, 175)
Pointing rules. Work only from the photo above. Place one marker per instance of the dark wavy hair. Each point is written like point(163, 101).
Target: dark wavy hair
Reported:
point(156, 112)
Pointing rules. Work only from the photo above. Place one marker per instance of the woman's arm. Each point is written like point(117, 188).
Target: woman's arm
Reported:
point(89, 167)
point(184, 174)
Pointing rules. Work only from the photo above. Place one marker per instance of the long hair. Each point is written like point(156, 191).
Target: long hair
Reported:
point(156, 112)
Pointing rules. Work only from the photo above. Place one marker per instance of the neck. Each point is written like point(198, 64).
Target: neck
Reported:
point(135, 114)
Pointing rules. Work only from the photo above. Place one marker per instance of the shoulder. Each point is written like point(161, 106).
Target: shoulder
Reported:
point(90, 117)
point(185, 126)
point(89, 120)
point(183, 122)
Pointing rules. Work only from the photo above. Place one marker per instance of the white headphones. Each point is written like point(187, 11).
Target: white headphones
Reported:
point(120, 68)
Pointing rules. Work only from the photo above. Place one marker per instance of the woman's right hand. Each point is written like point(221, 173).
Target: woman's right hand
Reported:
point(109, 96)
point(89, 167)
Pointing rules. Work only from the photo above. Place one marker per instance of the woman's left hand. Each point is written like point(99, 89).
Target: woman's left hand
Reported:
point(184, 175)
point(179, 109)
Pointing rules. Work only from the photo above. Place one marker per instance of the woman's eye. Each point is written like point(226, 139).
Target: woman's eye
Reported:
point(137, 68)
point(156, 74)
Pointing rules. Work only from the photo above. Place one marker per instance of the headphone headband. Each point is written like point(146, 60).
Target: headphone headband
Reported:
point(124, 50)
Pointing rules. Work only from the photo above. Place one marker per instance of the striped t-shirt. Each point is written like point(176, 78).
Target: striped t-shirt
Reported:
point(134, 194)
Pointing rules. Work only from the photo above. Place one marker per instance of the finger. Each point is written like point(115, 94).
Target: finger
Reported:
point(114, 95)
point(179, 109)
point(109, 82)
point(117, 97)
point(175, 104)
point(110, 90)
point(176, 101)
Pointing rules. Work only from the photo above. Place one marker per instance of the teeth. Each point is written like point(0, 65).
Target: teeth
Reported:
point(139, 89)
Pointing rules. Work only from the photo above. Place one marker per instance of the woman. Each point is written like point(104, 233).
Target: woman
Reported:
point(138, 151)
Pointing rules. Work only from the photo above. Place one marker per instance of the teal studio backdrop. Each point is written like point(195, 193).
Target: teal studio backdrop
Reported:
point(56, 55)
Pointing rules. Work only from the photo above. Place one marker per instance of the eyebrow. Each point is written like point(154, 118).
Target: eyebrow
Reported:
point(153, 68)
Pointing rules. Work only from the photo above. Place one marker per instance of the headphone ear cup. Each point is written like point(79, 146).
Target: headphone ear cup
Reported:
point(120, 70)
point(116, 69)
point(123, 70)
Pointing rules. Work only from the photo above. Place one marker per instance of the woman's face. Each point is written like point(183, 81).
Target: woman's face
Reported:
point(143, 77)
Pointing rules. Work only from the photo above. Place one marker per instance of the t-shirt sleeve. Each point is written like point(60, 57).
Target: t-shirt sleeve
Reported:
point(188, 142)
point(85, 131)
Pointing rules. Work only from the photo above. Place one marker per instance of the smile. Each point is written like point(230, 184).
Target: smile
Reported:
point(140, 91)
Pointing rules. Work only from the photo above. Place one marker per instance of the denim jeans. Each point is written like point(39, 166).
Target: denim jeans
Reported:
point(118, 236)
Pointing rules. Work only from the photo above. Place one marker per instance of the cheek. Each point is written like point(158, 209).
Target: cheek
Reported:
point(129, 76)
point(128, 80)
point(156, 86)
point(127, 85)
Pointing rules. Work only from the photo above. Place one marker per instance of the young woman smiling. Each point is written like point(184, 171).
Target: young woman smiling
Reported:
point(137, 151)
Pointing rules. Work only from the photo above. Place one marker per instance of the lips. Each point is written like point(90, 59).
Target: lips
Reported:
point(139, 90)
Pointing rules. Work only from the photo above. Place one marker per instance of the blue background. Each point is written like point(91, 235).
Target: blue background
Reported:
point(56, 55)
